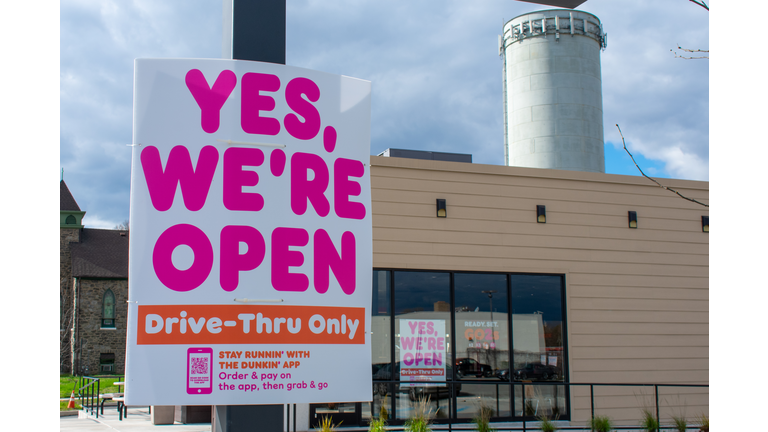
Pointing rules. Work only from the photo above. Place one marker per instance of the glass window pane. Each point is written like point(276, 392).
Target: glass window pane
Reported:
point(109, 305)
point(547, 400)
point(472, 397)
point(422, 339)
point(437, 401)
point(537, 334)
point(537, 327)
point(381, 338)
point(381, 406)
point(482, 323)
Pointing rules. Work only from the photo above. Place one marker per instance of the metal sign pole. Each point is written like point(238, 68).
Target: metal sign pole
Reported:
point(253, 30)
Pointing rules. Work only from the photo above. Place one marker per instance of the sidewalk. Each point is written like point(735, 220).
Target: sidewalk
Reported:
point(138, 420)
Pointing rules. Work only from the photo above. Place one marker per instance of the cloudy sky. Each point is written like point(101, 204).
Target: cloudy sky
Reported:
point(435, 71)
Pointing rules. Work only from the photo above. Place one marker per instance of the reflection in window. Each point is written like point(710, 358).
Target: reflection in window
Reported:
point(472, 397)
point(108, 310)
point(508, 331)
point(422, 340)
point(482, 325)
point(537, 335)
point(381, 341)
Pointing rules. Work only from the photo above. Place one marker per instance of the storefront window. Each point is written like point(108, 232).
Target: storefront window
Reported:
point(474, 397)
point(482, 325)
point(381, 342)
point(537, 335)
point(422, 340)
point(467, 341)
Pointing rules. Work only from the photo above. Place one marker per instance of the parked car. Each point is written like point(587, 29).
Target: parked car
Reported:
point(536, 372)
point(502, 374)
point(468, 366)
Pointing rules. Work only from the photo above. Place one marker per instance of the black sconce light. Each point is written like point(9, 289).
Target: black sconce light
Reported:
point(705, 224)
point(633, 219)
point(441, 212)
point(541, 214)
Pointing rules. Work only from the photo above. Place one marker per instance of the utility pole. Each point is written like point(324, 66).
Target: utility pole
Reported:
point(253, 30)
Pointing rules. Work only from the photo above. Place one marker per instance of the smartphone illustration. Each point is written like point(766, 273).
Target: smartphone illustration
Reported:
point(199, 370)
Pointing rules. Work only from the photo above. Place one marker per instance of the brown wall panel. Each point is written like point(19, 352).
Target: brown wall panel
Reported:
point(637, 300)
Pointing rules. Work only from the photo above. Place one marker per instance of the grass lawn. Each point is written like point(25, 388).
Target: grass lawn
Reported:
point(63, 406)
point(68, 382)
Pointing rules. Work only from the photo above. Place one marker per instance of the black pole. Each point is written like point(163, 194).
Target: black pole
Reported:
point(254, 30)
point(656, 391)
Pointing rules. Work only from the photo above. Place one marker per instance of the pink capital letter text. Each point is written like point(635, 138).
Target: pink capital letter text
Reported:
point(210, 99)
point(232, 261)
point(194, 183)
point(342, 264)
point(235, 178)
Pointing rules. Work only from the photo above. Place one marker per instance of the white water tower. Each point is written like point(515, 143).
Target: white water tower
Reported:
point(553, 103)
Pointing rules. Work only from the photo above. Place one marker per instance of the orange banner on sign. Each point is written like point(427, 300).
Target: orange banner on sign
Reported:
point(250, 324)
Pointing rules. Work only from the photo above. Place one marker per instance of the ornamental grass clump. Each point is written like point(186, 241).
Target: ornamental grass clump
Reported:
point(483, 417)
point(703, 423)
point(649, 422)
point(383, 413)
point(326, 425)
point(680, 424)
point(546, 424)
point(422, 417)
point(377, 425)
point(601, 424)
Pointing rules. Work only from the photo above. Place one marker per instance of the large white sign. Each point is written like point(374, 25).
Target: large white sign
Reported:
point(250, 254)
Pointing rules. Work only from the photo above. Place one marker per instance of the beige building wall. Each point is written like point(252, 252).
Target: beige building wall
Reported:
point(637, 300)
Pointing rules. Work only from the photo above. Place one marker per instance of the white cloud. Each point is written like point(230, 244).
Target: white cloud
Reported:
point(434, 67)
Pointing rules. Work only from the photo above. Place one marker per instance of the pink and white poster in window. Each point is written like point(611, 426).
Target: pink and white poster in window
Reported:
point(423, 350)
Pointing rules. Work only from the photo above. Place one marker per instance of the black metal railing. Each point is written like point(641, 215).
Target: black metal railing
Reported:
point(524, 422)
point(88, 392)
point(592, 403)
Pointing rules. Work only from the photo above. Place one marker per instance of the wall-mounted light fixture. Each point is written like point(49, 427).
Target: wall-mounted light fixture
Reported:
point(705, 224)
point(441, 211)
point(633, 219)
point(541, 214)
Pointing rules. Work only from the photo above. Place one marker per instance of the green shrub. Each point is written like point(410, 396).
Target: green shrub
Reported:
point(601, 424)
point(680, 423)
point(483, 418)
point(383, 413)
point(377, 425)
point(546, 424)
point(649, 423)
point(704, 423)
point(422, 417)
point(326, 425)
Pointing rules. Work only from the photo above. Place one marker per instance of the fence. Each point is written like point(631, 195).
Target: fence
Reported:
point(88, 392)
point(518, 405)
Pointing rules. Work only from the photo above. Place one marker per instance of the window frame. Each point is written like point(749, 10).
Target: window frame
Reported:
point(108, 323)
point(452, 380)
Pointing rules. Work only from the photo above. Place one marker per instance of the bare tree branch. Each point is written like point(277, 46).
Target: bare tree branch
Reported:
point(641, 172)
point(701, 3)
point(690, 51)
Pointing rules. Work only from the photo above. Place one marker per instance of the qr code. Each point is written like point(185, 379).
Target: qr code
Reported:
point(199, 366)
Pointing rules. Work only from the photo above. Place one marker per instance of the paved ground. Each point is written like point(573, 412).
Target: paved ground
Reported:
point(138, 420)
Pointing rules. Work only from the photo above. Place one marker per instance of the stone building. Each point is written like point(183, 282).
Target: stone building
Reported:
point(93, 293)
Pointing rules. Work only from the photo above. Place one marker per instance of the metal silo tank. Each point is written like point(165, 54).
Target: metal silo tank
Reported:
point(553, 104)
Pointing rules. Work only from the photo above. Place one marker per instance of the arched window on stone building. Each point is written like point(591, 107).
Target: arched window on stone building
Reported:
point(108, 310)
point(71, 220)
